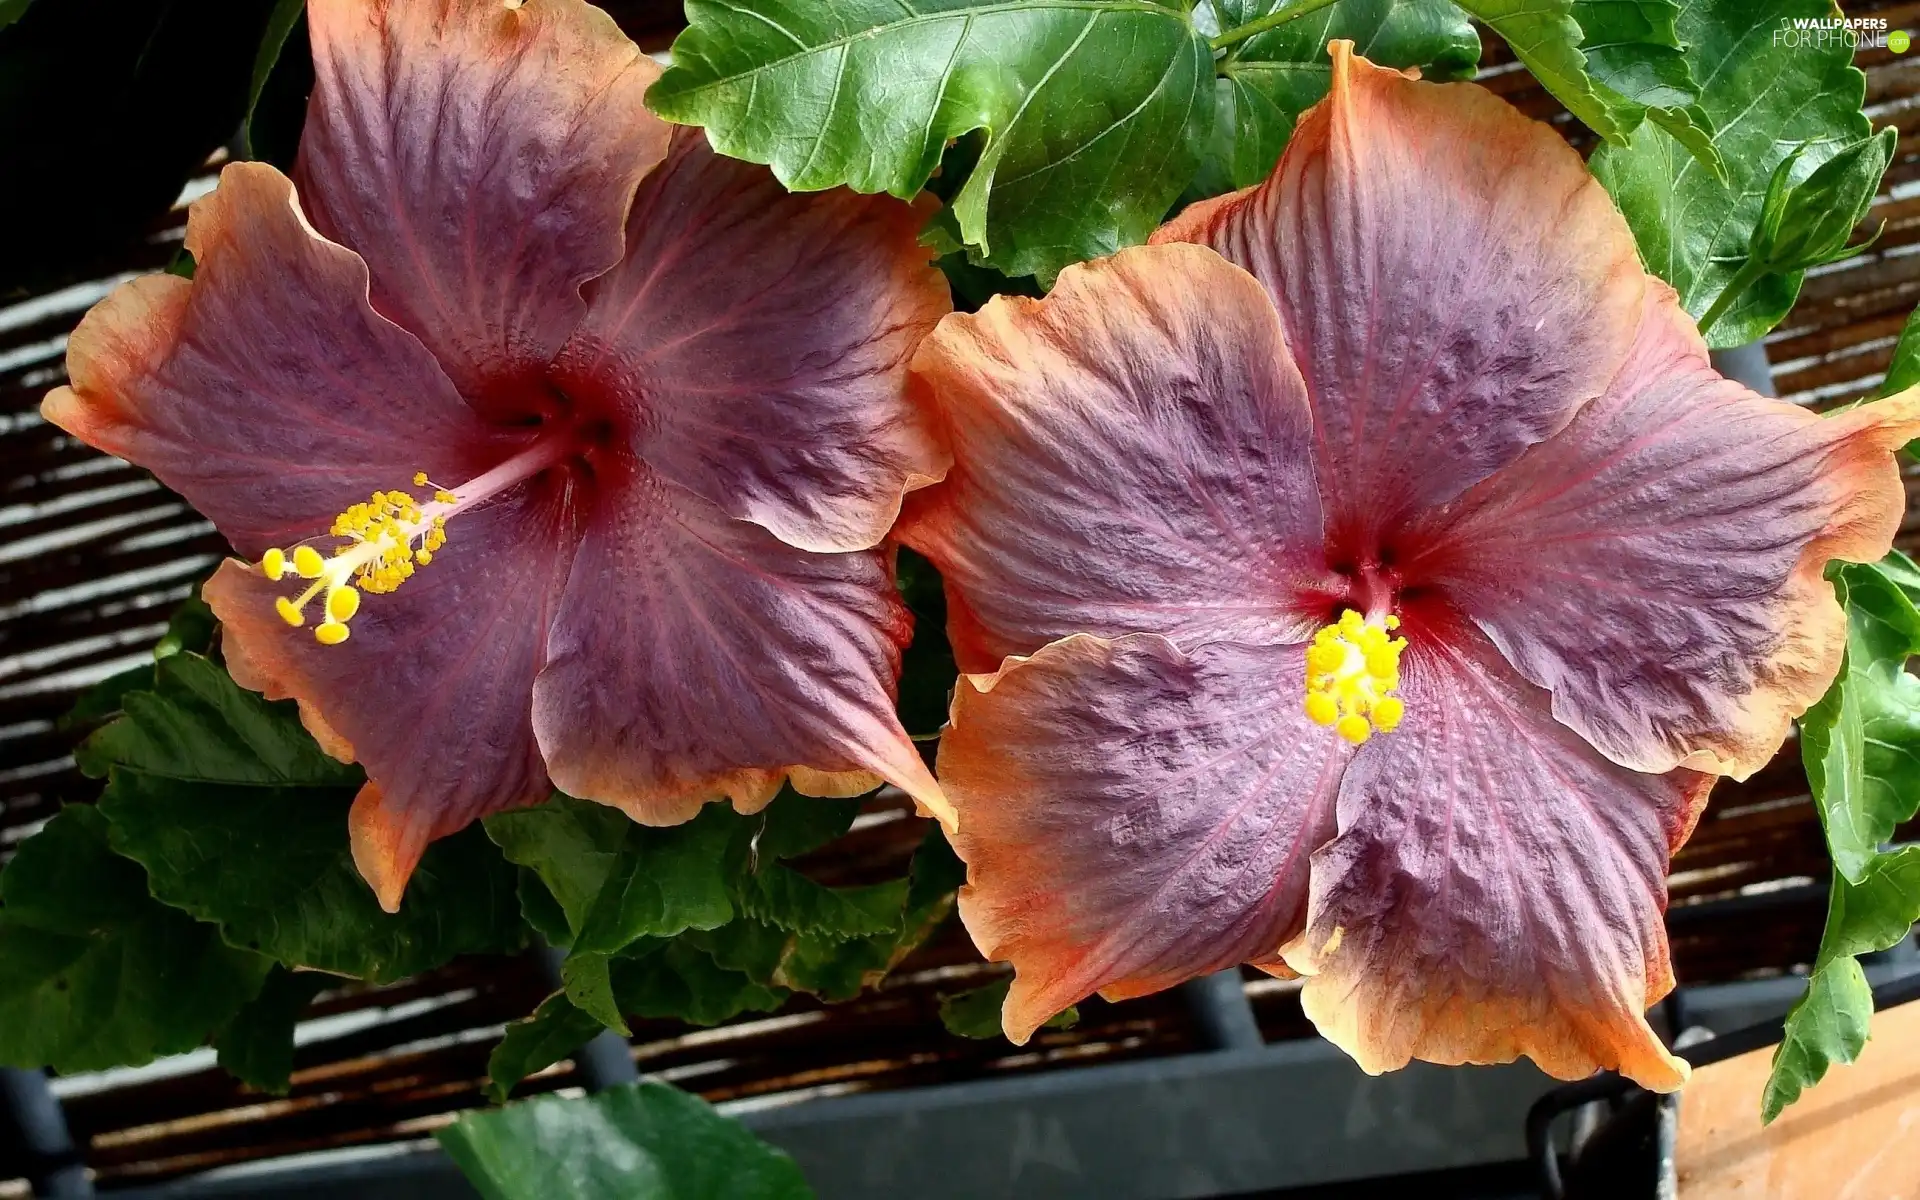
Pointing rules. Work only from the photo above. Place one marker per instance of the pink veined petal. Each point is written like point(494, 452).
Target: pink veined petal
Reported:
point(430, 693)
point(1131, 456)
point(1454, 286)
point(1658, 566)
point(758, 341)
point(694, 656)
point(481, 157)
point(1497, 887)
point(265, 391)
point(1132, 817)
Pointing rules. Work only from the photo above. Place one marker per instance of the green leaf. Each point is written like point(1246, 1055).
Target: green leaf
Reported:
point(241, 819)
point(783, 897)
point(675, 978)
point(1877, 911)
point(1904, 371)
point(1545, 37)
point(976, 1013)
point(666, 881)
point(94, 973)
point(271, 865)
point(197, 724)
point(256, 1047)
point(12, 10)
point(1639, 65)
point(927, 669)
point(280, 22)
point(1763, 100)
point(1861, 743)
point(643, 1141)
point(101, 702)
point(587, 979)
point(1267, 81)
point(1094, 109)
point(1828, 1025)
point(191, 627)
point(555, 1030)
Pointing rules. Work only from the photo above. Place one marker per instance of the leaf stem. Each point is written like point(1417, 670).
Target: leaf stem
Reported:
point(1273, 20)
point(1748, 274)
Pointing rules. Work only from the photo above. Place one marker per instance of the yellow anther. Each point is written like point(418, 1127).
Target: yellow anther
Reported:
point(446, 497)
point(342, 603)
point(1387, 711)
point(1322, 709)
point(1353, 667)
point(273, 564)
point(384, 538)
point(419, 479)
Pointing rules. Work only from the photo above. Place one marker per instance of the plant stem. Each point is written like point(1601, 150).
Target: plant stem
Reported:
point(1749, 272)
point(1273, 20)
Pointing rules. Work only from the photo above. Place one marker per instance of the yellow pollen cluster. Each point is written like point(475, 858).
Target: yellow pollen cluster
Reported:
point(387, 536)
point(1353, 669)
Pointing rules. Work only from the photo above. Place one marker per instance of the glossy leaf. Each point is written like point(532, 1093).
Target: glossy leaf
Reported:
point(1861, 742)
point(1636, 58)
point(272, 867)
point(241, 820)
point(1267, 81)
point(1829, 1024)
point(1764, 101)
point(256, 1047)
point(1094, 112)
point(281, 21)
point(643, 1141)
point(198, 724)
point(784, 898)
point(1545, 36)
point(1904, 371)
point(555, 1030)
point(94, 973)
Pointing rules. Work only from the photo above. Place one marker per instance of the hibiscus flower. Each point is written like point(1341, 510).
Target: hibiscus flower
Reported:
point(1389, 576)
point(562, 442)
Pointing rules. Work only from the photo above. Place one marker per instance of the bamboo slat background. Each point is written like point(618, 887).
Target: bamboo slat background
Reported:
point(94, 554)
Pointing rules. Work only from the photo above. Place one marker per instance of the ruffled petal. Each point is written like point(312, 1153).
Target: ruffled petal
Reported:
point(695, 657)
point(481, 156)
point(1454, 286)
point(1659, 565)
point(432, 692)
point(1131, 456)
point(265, 391)
point(1132, 817)
point(758, 342)
point(1497, 887)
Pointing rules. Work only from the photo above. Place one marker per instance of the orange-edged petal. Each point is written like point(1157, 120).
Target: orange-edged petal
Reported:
point(265, 391)
point(431, 691)
point(1659, 565)
point(1497, 887)
point(694, 656)
point(1453, 282)
point(481, 156)
point(1131, 456)
point(1132, 816)
point(757, 341)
